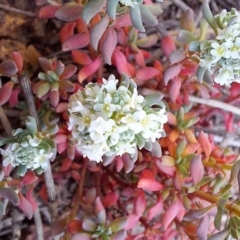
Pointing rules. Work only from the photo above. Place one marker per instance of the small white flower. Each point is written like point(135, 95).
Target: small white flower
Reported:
point(224, 76)
point(129, 3)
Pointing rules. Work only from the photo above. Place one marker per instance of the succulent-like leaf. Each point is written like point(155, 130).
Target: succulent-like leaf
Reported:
point(186, 37)
point(156, 149)
point(100, 211)
point(174, 89)
point(109, 45)
point(128, 163)
point(69, 13)
point(43, 89)
point(98, 31)
point(82, 236)
point(205, 143)
point(194, 46)
point(207, 14)
point(147, 42)
point(5, 92)
point(76, 41)
point(136, 18)
point(149, 184)
point(68, 72)
point(48, 11)
point(154, 210)
point(112, 8)
point(91, 9)
point(67, 31)
point(8, 68)
point(171, 72)
point(18, 59)
point(120, 235)
point(81, 57)
point(145, 73)
point(9, 194)
point(140, 204)
point(202, 229)
point(147, 17)
point(31, 125)
point(167, 45)
point(118, 224)
point(88, 70)
point(177, 56)
point(187, 21)
point(219, 235)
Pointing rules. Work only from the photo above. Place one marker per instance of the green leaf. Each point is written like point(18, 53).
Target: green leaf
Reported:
point(21, 170)
point(5, 141)
point(156, 149)
point(136, 18)
point(207, 14)
point(43, 89)
point(148, 145)
point(200, 73)
point(194, 46)
point(9, 194)
point(147, 17)
point(186, 37)
point(218, 221)
point(111, 8)
point(42, 76)
point(91, 9)
point(177, 56)
point(234, 172)
point(153, 99)
point(189, 122)
point(140, 141)
point(118, 224)
point(31, 125)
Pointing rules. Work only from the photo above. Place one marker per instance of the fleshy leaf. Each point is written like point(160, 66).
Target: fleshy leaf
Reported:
point(149, 184)
point(171, 72)
point(202, 230)
point(196, 169)
point(109, 45)
point(156, 149)
point(69, 13)
point(219, 235)
point(171, 212)
point(18, 59)
point(48, 11)
point(67, 31)
point(43, 89)
point(136, 18)
point(174, 88)
point(5, 92)
point(82, 236)
point(185, 36)
point(76, 41)
point(167, 45)
point(145, 73)
point(207, 14)
point(147, 42)
point(68, 72)
point(91, 9)
point(128, 163)
point(187, 21)
point(118, 224)
point(81, 57)
point(112, 8)
point(156, 209)
point(9, 194)
point(88, 70)
point(8, 68)
point(140, 204)
point(205, 143)
point(177, 56)
point(100, 211)
point(98, 31)
point(147, 17)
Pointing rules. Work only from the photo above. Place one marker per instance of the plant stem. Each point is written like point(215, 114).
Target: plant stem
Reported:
point(206, 196)
point(5, 122)
point(26, 85)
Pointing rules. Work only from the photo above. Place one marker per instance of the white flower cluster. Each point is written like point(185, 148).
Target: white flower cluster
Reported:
point(110, 120)
point(129, 3)
point(26, 152)
point(222, 55)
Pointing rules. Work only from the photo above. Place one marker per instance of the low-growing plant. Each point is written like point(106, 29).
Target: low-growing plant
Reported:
point(133, 137)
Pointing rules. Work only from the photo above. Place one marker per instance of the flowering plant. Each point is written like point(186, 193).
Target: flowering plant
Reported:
point(112, 120)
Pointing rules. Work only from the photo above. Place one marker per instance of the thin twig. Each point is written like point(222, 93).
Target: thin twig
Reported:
point(26, 85)
point(38, 224)
point(16, 10)
point(16, 229)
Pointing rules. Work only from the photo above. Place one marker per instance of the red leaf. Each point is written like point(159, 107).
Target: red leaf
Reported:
point(29, 178)
point(45, 64)
point(140, 204)
point(171, 72)
point(120, 61)
point(88, 70)
point(69, 13)
point(40, 2)
point(67, 31)
point(196, 169)
point(5, 92)
point(81, 57)
point(17, 58)
point(168, 45)
point(205, 144)
point(54, 98)
point(31, 200)
point(202, 230)
point(109, 45)
point(174, 88)
point(132, 220)
point(123, 20)
point(145, 73)
point(62, 107)
point(156, 209)
point(76, 175)
point(8, 68)
point(147, 173)
point(68, 72)
point(110, 199)
point(149, 184)
point(59, 138)
point(13, 100)
point(76, 41)
point(48, 11)
point(127, 162)
point(166, 169)
point(171, 213)
point(74, 226)
point(25, 206)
